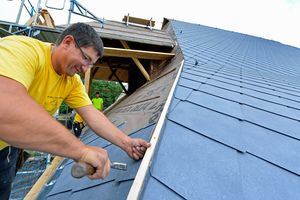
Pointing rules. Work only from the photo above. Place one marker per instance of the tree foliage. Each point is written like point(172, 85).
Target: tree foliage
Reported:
point(64, 108)
point(108, 97)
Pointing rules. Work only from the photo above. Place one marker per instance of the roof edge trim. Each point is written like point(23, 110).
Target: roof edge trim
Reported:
point(139, 180)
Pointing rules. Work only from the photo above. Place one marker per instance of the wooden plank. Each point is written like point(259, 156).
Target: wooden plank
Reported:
point(137, 33)
point(142, 69)
point(104, 72)
point(120, 82)
point(88, 81)
point(119, 31)
point(95, 71)
point(121, 24)
point(139, 54)
point(38, 186)
point(139, 180)
point(117, 26)
point(46, 16)
point(137, 20)
point(137, 62)
point(48, 20)
point(31, 20)
point(148, 111)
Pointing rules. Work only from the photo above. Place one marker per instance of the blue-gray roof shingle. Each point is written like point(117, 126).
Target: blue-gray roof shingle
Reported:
point(232, 131)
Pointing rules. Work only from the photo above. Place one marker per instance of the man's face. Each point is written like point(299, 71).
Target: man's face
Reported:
point(79, 62)
point(73, 59)
point(97, 95)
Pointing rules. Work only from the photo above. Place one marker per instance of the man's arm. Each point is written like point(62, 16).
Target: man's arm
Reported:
point(26, 124)
point(101, 125)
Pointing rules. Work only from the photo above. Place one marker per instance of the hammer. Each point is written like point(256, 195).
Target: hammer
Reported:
point(80, 170)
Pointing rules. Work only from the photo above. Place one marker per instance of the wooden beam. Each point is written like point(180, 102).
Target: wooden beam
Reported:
point(136, 20)
point(137, 62)
point(142, 69)
point(120, 82)
point(49, 22)
point(38, 186)
point(95, 71)
point(88, 81)
point(115, 65)
point(139, 54)
point(112, 73)
point(139, 180)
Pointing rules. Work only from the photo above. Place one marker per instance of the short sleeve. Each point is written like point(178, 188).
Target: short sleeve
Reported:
point(19, 61)
point(77, 97)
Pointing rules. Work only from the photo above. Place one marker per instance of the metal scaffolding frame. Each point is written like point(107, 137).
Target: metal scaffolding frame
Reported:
point(75, 8)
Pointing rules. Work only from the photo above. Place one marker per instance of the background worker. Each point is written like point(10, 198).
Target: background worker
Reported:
point(78, 125)
point(98, 102)
point(43, 75)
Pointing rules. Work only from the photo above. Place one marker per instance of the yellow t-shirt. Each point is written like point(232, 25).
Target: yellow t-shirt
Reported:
point(97, 103)
point(78, 118)
point(28, 61)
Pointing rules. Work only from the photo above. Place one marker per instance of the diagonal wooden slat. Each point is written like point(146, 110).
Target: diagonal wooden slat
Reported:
point(137, 62)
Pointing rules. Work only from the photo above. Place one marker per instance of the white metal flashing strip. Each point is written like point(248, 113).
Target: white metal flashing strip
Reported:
point(139, 180)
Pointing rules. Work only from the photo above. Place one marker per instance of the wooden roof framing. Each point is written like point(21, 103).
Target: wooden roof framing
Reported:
point(136, 61)
point(119, 31)
point(48, 21)
point(138, 44)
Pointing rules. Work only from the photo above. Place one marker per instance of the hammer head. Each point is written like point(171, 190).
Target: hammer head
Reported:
point(120, 166)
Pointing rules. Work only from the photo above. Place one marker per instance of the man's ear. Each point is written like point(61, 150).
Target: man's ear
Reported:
point(68, 42)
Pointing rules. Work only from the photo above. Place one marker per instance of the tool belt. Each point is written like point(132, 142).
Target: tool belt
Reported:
point(78, 128)
point(81, 124)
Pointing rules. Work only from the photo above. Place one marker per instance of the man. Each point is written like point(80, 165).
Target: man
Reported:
point(43, 75)
point(98, 102)
point(78, 125)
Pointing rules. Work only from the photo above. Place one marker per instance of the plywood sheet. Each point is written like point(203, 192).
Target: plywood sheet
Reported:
point(145, 105)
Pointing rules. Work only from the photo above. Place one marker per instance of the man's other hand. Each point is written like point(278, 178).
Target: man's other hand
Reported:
point(136, 148)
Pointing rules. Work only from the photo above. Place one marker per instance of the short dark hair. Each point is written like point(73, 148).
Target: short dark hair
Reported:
point(97, 93)
point(84, 35)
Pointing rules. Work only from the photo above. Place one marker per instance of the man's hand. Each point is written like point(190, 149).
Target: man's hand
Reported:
point(98, 158)
point(136, 148)
point(101, 125)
